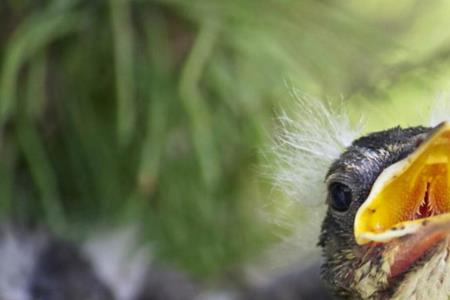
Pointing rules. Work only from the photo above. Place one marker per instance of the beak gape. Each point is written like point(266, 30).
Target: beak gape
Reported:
point(411, 196)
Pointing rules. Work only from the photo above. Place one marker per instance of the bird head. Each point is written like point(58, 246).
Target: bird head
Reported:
point(385, 233)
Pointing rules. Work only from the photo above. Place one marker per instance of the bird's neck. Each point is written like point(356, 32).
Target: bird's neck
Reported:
point(430, 280)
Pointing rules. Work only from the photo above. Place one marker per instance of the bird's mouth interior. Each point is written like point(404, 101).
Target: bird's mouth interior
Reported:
point(410, 196)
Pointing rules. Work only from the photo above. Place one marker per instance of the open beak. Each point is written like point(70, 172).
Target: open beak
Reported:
point(411, 197)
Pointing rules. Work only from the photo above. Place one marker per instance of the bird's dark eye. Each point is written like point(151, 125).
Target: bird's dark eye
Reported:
point(340, 196)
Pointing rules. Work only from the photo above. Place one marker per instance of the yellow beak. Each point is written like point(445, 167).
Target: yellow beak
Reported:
point(409, 194)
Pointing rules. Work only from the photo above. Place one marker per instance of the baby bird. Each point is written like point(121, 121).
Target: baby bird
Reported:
point(386, 224)
point(385, 234)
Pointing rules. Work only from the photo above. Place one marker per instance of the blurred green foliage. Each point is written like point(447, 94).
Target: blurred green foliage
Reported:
point(155, 111)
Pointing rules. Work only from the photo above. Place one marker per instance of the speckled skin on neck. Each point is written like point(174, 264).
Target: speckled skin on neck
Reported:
point(362, 272)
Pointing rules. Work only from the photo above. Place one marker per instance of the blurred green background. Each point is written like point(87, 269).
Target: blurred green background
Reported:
point(158, 112)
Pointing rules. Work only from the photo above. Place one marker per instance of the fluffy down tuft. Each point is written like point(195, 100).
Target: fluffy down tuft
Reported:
point(309, 140)
point(310, 137)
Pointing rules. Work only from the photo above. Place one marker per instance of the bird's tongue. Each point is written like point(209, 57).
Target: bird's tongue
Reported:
point(407, 250)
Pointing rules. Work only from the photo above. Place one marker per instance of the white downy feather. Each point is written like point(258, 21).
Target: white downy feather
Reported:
point(309, 139)
point(308, 142)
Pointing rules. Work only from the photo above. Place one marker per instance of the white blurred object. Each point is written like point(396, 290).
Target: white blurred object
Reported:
point(18, 256)
point(118, 261)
